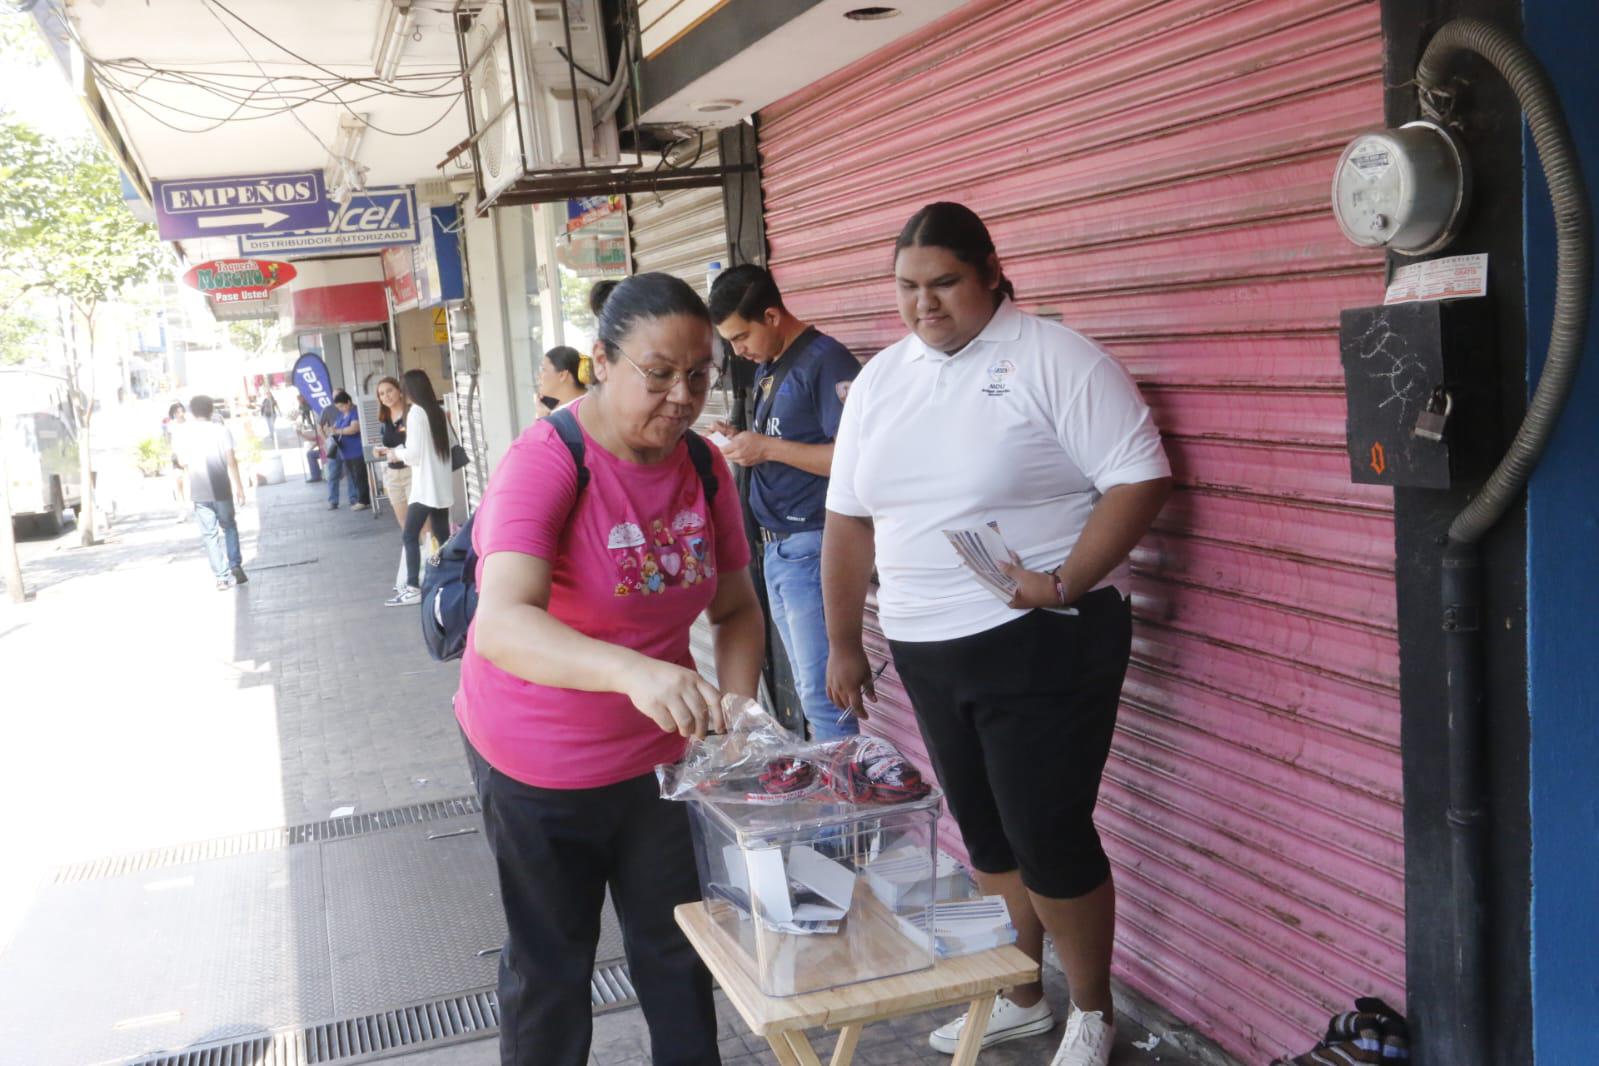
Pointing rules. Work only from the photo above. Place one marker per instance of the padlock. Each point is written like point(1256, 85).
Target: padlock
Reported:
point(1430, 423)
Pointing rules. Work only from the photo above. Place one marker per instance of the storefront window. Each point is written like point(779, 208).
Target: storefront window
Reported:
point(519, 266)
point(592, 247)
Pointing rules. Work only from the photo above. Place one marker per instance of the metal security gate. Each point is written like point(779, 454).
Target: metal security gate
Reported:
point(469, 423)
point(1155, 174)
point(681, 233)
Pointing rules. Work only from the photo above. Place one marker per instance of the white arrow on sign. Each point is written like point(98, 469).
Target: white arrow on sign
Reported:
point(265, 218)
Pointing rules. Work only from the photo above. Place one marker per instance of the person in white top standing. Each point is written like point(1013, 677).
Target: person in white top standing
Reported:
point(203, 449)
point(426, 452)
point(987, 414)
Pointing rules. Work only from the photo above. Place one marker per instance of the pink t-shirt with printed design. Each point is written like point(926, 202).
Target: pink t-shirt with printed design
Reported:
point(635, 562)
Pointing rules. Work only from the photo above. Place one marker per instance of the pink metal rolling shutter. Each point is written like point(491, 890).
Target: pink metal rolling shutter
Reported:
point(1155, 174)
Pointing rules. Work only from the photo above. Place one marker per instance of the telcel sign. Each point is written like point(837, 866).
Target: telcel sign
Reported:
point(238, 280)
point(376, 218)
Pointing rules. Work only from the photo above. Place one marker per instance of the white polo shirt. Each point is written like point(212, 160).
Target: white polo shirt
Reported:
point(1027, 426)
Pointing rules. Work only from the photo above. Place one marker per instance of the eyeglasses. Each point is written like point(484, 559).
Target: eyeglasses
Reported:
point(658, 379)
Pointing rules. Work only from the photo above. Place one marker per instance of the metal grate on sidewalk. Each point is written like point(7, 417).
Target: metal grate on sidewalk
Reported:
point(611, 988)
point(468, 1016)
point(266, 839)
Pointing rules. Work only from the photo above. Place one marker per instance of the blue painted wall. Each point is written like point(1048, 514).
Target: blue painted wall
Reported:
point(1563, 595)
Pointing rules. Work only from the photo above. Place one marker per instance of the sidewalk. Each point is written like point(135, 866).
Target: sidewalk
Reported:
point(146, 710)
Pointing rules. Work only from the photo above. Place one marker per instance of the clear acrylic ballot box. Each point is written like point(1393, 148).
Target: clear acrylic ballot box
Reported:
point(812, 895)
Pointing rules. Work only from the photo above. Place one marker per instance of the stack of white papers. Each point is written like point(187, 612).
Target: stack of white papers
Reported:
point(905, 877)
point(962, 926)
point(982, 549)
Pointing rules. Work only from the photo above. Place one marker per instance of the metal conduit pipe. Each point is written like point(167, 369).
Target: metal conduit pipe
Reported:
point(1573, 248)
point(1461, 579)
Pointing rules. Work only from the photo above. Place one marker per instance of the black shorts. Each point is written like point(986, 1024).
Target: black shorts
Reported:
point(1018, 720)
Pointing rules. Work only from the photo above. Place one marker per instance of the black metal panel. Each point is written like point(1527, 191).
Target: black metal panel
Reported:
point(1398, 362)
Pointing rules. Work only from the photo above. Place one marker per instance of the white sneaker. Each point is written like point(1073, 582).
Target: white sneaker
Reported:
point(404, 598)
point(1006, 1021)
point(1088, 1040)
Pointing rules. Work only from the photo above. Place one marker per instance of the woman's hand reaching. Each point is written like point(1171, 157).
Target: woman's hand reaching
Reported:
point(676, 699)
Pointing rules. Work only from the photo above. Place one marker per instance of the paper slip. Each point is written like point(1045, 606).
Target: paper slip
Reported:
point(982, 549)
point(962, 927)
point(769, 884)
point(832, 881)
point(904, 877)
point(1454, 277)
point(812, 895)
point(721, 440)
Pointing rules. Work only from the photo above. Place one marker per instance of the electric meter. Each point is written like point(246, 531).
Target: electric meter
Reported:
point(1404, 189)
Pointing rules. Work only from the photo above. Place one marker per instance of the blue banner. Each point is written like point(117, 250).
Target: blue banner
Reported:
point(447, 250)
point(311, 378)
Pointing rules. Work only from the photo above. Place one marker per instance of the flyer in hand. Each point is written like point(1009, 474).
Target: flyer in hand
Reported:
point(982, 549)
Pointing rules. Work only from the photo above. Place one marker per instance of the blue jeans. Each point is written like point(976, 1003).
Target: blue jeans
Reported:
point(794, 590)
point(340, 469)
point(220, 535)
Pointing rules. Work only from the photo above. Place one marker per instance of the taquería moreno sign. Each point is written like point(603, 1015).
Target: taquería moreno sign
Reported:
point(238, 280)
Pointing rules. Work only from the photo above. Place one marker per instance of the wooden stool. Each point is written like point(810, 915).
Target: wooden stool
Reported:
point(970, 979)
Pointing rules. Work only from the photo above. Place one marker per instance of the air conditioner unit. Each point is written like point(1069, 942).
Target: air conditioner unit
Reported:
point(520, 75)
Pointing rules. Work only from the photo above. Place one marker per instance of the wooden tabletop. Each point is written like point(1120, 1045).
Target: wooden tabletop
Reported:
point(949, 981)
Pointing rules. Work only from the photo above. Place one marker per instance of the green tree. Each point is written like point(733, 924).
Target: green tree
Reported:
point(64, 230)
point(254, 335)
point(22, 332)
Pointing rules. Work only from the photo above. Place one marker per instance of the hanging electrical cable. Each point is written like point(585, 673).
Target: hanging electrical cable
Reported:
point(270, 95)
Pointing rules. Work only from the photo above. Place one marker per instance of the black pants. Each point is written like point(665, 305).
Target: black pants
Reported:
point(416, 515)
point(557, 850)
point(355, 470)
point(1018, 720)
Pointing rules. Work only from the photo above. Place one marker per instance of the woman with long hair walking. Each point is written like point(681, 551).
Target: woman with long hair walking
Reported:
point(426, 452)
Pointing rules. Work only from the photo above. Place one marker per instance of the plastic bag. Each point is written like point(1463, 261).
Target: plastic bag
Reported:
point(756, 760)
point(728, 765)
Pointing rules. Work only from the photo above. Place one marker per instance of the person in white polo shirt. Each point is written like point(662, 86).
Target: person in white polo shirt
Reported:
point(985, 413)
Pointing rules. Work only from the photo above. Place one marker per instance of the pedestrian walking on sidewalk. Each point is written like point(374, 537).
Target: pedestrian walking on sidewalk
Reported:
point(426, 453)
point(345, 457)
point(177, 415)
point(605, 531)
point(269, 411)
point(305, 428)
point(800, 387)
point(984, 413)
point(204, 450)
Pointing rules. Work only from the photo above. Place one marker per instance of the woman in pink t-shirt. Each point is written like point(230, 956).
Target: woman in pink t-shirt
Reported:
point(577, 679)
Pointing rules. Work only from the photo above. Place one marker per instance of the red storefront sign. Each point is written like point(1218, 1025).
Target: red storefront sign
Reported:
point(236, 280)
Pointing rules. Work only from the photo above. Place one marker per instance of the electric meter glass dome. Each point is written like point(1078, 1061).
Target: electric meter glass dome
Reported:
point(1403, 189)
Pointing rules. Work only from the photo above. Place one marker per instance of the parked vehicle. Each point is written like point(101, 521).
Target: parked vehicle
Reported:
point(42, 462)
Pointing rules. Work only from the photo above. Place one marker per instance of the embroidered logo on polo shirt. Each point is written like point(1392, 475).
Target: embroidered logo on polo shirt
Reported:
point(999, 378)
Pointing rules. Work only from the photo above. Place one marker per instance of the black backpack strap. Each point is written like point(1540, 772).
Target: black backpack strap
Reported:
point(700, 453)
point(571, 434)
